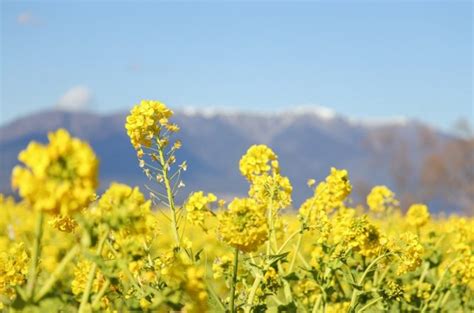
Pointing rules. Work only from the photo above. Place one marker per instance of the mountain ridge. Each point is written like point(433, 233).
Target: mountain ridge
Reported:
point(307, 141)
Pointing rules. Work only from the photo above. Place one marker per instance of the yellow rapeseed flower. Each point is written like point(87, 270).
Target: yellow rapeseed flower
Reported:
point(418, 215)
point(244, 225)
point(381, 199)
point(258, 159)
point(271, 190)
point(13, 270)
point(59, 178)
point(409, 251)
point(81, 274)
point(198, 207)
point(146, 121)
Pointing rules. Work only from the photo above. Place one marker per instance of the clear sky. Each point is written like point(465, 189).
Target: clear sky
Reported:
point(362, 59)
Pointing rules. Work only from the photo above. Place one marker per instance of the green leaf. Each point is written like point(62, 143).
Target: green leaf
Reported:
point(291, 277)
point(288, 308)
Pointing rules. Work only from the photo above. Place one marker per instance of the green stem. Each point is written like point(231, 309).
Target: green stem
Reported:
point(91, 276)
point(438, 285)
point(33, 273)
point(444, 300)
point(270, 224)
point(215, 296)
point(384, 273)
point(317, 304)
point(355, 293)
point(361, 280)
point(100, 294)
point(426, 267)
point(290, 237)
point(57, 273)
point(370, 304)
point(170, 196)
point(253, 290)
point(293, 259)
point(125, 268)
point(234, 280)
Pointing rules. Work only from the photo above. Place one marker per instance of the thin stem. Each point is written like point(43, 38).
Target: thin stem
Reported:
point(100, 294)
point(426, 267)
point(57, 273)
point(384, 273)
point(253, 290)
point(216, 297)
point(234, 280)
point(317, 304)
point(438, 285)
point(125, 268)
point(355, 293)
point(370, 304)
point(444, 299)
point(271, 229)
point(91, 276)
point(290, 237)
point(169, 192)
point(33, 273)
point(361, 280)
point(293, 259)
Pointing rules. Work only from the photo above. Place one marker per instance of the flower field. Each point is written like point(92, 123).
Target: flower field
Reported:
point(65, 248)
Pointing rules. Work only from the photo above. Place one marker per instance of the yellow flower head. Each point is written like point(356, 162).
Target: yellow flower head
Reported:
point(244, 225)
point(63, 223)
point(274, 190)
point(188, 279)
point(409, 251)
point(307, 291)
point(258, 159)
point(271, 280)
point(13, 270)
point(122, 206)
point(381, 199)
point(146, 120)
point(363, 236)
point(222, 266)
point(328, 195)
point(418, 215)
point(198, 207)
point(81, 274)
point(393, 291)
point(58, 178)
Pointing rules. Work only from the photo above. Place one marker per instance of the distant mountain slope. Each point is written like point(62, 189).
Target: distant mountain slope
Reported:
point(308, 142)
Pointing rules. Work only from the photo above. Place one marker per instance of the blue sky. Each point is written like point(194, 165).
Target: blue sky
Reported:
point(362, 59)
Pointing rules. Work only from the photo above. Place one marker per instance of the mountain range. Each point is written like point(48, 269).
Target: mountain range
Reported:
point(309, 141)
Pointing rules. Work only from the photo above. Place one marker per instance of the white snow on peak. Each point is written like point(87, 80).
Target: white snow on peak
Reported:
point(380, 121)
point(209, 112)
point(321, 112)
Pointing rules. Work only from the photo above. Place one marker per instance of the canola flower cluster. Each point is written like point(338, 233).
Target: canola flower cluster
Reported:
point(59, 178)
point(126, 251)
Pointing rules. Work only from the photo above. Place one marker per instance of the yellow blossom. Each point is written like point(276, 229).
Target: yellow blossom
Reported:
point(145, 122)
point(258, 160)
point(59, 178)
point(381, 199)
point(271, 190)
point(81, 274)
point(418, 215)
point(409, 251)
point(244, 225)
point(13, 270)
point(63, 223)
point(198, 207)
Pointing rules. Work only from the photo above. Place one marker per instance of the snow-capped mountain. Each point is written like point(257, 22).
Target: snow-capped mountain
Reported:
point(308, 140)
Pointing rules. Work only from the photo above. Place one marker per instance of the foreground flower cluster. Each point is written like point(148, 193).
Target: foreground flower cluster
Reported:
point(64, 248)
